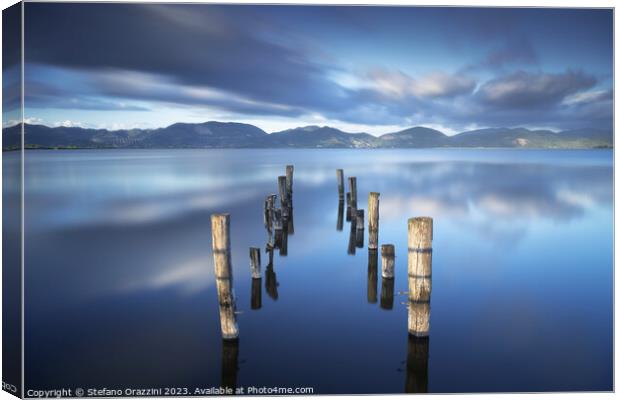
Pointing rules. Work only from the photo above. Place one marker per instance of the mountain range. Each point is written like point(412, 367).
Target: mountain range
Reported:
point(236, 135)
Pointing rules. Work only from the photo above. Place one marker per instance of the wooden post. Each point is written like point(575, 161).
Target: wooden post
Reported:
point(289, 180)
point(255, 262)
point(283, 195)
point(340, 178)
point(290, 227)
point(373, 220)
point(220, 235)
point(359, 223)
point(420, 274)
point(284, 241)
point(387, 261)
point(230, 365)
point(387, 293)
point(371, 289)
point(359, 227)
point(339, 222)
point(416, 380)
point(348, 206)
point(268, 212)
point(353, 190)
point(277, 220)
point(256, 299)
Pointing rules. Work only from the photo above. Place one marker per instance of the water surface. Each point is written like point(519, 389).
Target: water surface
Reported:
point(120, 288)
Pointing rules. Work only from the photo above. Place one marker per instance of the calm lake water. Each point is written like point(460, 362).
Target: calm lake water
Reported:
point(120, 287)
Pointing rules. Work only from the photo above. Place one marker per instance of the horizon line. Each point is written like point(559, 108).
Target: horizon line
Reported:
point(301, 127)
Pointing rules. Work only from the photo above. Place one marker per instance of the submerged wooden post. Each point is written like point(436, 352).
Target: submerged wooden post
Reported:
point(255, 262)
point(220, 235)
point(340, 178)
point(373, 220)
point(283, 195)
point(289, 180)
point(387, 261)
point(420, 274)
point(371, 289)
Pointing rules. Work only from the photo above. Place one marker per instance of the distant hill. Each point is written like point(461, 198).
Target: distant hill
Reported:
point(316, 136)
point(415, 137)
point(235, 135)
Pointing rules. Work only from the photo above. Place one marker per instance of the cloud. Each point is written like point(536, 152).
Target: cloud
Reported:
point(530, 90)
point(397, 84)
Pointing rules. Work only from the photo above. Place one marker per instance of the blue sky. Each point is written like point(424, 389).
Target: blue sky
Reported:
point(373, 69)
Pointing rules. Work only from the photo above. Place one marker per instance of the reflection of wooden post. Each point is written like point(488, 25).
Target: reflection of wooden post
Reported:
point(387, 293)
point(373, 257)
point(353, 190)
point(387, 261)
point(289, 180)
point(256, 299)
point(230, 357)
point(255, 262)
point(220, 235)
point(351, 249)
point(271, 282)
point(373, 220)
point(340, 178)
point(359, 227)
point(339, 222)
point(420, 274)
point(283, 195)
point(417, 365)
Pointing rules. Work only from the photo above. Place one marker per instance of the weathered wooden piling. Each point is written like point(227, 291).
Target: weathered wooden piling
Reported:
point(353, 190)
point(420, 274)
point(387, 293)
point(416, 380)
point(256, 295)
point(290, 227)
point(277, 219)
point(268, 211)
point(340, 179)
point(230, 364)
point(359, 223)
point(373, 220)
point(289, 180)
point(283, 195)
point(339, 221)
point(373, 258)
point(255, 262)
point(348, 206)
point(220, 236)
point(359, 229)
point(284, 242)
point(387, 261)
